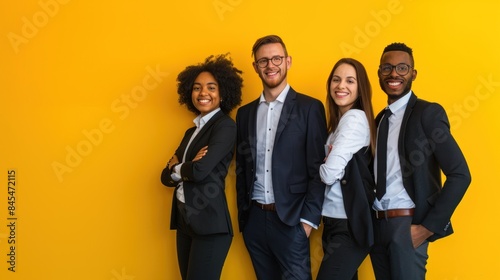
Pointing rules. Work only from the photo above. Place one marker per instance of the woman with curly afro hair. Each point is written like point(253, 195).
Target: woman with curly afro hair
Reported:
point(200, 164)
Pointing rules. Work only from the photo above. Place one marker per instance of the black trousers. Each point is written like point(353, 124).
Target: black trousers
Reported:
point(342, 256)
point(200, 257)
point(278, 251)
point(393, 256)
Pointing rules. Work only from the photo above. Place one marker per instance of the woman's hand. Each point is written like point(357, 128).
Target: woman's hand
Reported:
point(328, 149)
point(201, 153)
point(172, 163)
point(173, 160)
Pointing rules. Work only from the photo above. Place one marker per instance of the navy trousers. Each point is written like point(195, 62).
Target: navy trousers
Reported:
point(278, 251)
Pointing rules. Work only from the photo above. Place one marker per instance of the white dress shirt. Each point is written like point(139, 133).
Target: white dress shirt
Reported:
point(395, 196)
point(352, 134)
point(268, 116)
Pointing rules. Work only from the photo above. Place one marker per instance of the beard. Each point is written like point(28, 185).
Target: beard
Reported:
point(275, 82)
point(395, 96)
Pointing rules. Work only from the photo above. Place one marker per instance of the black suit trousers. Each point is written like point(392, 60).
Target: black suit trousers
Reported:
point(342, 255)
point(200, 257)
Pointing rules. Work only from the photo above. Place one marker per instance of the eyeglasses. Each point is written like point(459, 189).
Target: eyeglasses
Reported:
point(276, 60)
point(401, 69)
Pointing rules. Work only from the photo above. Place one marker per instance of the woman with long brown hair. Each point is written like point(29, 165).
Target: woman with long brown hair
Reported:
point(347, 234)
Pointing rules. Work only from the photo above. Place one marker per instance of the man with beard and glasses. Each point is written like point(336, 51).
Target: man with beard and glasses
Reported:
point(280, 147)
point(414, 147)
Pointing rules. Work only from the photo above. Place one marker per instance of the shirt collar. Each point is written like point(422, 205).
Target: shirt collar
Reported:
point(200, 121)
point(400, 103)
point(281, 97)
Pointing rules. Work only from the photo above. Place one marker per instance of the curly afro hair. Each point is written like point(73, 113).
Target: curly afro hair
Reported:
point(227, 76)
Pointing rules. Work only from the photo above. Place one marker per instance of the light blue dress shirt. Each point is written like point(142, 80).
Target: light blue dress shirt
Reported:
point(395, 196)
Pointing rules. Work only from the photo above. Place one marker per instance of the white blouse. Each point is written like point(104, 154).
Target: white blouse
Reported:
point(352, 133)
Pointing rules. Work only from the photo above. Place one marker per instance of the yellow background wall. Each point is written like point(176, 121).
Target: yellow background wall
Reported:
point(89, 117)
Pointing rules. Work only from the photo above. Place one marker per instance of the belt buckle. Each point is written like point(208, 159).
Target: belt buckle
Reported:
point(380, 214)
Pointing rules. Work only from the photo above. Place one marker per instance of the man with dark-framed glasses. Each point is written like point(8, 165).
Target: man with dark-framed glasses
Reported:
point(414, 148)
point(280, 146)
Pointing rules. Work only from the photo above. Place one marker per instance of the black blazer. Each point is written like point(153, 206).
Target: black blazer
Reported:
point(204, 180)
point(357, 188)
point(298, 153)
point(427, 148)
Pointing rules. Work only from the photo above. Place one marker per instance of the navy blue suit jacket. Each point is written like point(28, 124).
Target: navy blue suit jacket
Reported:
point(426, 148)
point(298, 153)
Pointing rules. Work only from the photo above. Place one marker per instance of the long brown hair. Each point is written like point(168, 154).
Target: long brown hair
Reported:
point(364, 101)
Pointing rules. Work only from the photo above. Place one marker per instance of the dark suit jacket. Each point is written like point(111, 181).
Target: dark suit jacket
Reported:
point(204, 180)
point(427, 148)
point(357, 187)
point(298, 153)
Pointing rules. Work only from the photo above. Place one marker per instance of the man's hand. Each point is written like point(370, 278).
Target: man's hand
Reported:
point(419, 234)
point(307, 229)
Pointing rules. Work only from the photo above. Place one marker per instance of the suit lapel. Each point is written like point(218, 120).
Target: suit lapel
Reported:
point(404, 165)
point(207, 127)
point(402, 132)
point(286, 113)
point(252, 128)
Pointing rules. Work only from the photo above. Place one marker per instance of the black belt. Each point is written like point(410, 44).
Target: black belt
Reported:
point(331, 221)
point(265, 207)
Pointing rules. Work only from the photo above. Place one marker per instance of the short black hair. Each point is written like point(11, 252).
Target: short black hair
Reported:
point(225, 73)
point(400, 47)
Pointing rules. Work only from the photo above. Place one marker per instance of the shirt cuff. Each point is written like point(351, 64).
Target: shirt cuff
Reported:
point(309, 223)
point(176, 174)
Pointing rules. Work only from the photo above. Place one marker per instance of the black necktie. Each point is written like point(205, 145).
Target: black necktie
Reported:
point(383, 131)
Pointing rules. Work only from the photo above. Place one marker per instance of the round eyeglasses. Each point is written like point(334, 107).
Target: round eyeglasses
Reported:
point(401, 69)
point(276, 60)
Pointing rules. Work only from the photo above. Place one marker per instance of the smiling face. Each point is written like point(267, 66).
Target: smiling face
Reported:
point(205, 93)
point(344, 87)
point(394, 84)
point(273, 77)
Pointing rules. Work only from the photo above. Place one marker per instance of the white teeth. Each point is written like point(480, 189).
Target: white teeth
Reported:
point(394, 83)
